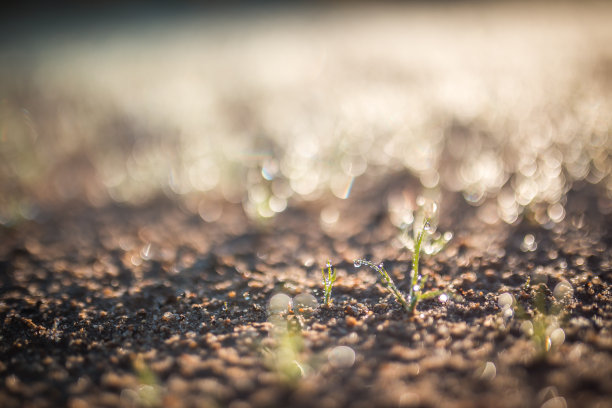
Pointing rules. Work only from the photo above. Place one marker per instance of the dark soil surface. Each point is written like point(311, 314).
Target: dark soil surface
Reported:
point(151, 306)
point(172, 184)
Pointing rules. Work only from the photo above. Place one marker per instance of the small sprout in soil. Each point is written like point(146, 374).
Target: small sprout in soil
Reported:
point(542, 325)
point(284, 355)
point(285, 350)
point(328, 282)
point(149, 392)
point(417, 281)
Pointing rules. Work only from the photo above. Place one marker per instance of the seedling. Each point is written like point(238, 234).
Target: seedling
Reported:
point(149, 392)
point(284, 351)
point(417, 282)
point(542, 325)
point(285, 355)
point(328, 282)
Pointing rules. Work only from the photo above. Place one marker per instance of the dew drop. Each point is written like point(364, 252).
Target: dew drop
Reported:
point(430, 208)
point(328, 264)
point(557, 337)
point(488, 371)
point(279, 303)
point(527, 328)
point(427, 226)
point(563, 290)
point(305, 300)
point(341, 356)
point(505, 300)
point(380, 265)
point(357, 263)
point(416, 288)
point(443, 298)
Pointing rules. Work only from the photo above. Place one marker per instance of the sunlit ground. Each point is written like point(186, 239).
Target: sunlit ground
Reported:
point(140, 158)
point(508, 104)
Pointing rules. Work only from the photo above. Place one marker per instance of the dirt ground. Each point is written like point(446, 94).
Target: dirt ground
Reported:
point(171, 186)
point(152, 306)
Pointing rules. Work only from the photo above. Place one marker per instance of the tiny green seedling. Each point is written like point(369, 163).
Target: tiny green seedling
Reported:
point(285, 351)
point(328, 282)
point(285, 355)
point(417, 282)
point(542, 326)
point(149, 392)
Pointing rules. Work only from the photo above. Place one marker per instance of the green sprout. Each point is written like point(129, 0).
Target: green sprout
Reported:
point(387, 280)
point(328, 282)
point(542, 325)
point(285, 355)
point(149, 392)
point(285, 351)
point(417, 282)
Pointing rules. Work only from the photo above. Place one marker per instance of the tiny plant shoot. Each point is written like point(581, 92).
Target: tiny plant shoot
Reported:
point(542, 325)
point(328, 282)
point(387, 280)
point(417, 282)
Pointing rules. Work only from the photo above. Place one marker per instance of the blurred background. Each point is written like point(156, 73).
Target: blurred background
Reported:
point(267, 105)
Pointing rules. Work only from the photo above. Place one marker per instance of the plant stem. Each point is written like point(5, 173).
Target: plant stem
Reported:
point(414, 297)
point(328, 282)
point(388, 281)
